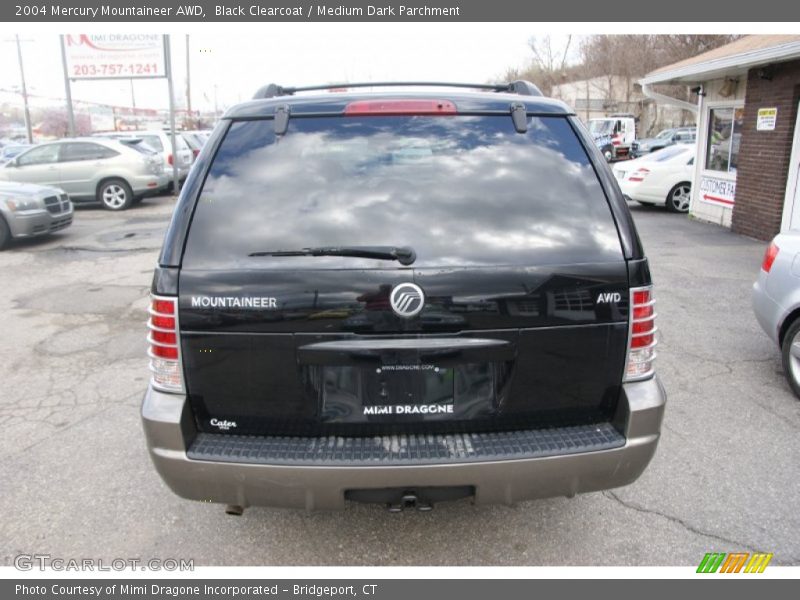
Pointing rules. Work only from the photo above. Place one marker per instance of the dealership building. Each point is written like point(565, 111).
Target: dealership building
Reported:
point(748, 145)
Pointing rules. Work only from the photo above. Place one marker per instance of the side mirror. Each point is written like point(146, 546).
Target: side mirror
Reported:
point(12, 163)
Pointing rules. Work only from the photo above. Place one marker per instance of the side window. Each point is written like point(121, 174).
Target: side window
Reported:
point(40, 155)
point(77, 151)
point(103, 152)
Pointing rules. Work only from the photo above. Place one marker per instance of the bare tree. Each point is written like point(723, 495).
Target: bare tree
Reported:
point(54, 123)
point(549, 64)
point(673, 48)
point(611, 65)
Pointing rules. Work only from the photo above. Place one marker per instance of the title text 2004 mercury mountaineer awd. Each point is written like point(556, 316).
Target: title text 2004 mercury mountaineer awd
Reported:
point(403, 297)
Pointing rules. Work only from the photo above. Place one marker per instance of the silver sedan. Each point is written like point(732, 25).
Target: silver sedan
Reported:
point(776, 301)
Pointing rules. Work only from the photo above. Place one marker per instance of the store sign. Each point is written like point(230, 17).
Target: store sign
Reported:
point(717, 191)
point(115, 55)
point(766, 119)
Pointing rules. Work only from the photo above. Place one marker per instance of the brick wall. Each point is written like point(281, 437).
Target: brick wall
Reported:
point(764, 155)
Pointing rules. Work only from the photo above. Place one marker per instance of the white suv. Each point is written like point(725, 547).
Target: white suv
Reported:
point(161, 142)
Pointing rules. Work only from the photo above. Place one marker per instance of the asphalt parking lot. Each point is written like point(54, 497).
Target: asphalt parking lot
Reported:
point(77, 481)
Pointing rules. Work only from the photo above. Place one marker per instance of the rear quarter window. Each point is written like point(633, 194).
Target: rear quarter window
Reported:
point(462, 191)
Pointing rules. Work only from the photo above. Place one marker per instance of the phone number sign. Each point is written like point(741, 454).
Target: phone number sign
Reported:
point(115, 55)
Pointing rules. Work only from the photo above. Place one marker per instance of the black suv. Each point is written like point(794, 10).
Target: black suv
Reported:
point(400, 297)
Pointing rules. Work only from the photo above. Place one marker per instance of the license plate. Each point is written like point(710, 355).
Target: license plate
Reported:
point(404, 392)
point(620, 174)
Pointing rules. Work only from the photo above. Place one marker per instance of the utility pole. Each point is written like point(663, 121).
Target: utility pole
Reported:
point(188, 86)
point(67, 90)
point(133, 98)
point(28, 127)
point(168, 52)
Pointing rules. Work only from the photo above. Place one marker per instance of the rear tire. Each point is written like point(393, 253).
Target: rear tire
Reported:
point(679, 198)
point(115, 194)
point(791, 357)
point(5, 233)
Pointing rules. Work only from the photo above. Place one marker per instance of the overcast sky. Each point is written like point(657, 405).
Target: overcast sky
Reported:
point(235, 59)
point(238, 62)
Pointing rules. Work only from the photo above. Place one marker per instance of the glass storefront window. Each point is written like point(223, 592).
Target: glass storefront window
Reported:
point(724, 137)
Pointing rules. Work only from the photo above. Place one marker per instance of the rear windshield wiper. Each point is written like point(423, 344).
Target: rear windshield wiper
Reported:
point(404, 254)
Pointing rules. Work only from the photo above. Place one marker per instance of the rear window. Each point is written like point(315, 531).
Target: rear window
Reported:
point(153, 141)
point(139, 146)
point(670, 152)
point(464, 190)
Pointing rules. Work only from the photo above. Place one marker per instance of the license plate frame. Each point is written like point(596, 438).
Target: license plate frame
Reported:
point(405, 392)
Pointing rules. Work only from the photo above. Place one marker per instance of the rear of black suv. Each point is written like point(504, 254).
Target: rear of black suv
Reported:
point(403, 298)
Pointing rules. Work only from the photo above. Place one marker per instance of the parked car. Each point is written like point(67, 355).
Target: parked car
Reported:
point(11, 150)
point(161, 142)
point(195, 140)
point(91, 170)
point(663, 178)
point(776, 301)
point(667, 137)
point(28, 210)
point(400, 300)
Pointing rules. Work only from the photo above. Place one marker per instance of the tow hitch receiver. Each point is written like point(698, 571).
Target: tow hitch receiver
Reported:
point(421, 499)
point(409, 501)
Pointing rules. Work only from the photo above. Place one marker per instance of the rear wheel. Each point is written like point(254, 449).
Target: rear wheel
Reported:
point(791, 357)
point(115, 194)
point(5, 233)
point(679, 197)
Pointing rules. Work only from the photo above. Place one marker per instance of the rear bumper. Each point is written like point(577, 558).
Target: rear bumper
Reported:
point(639, 192)
point(148, 185)
point(168, 424)
point(769, 313)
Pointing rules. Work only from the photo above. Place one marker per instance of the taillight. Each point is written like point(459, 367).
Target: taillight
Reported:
point(639, 174)
point(195, 152)
point(769, 257)
point(400, 107)
point(164, 342)
point(641, 349)
point(170, 160)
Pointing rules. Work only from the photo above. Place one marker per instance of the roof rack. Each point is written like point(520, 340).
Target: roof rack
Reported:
point(521, 87)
